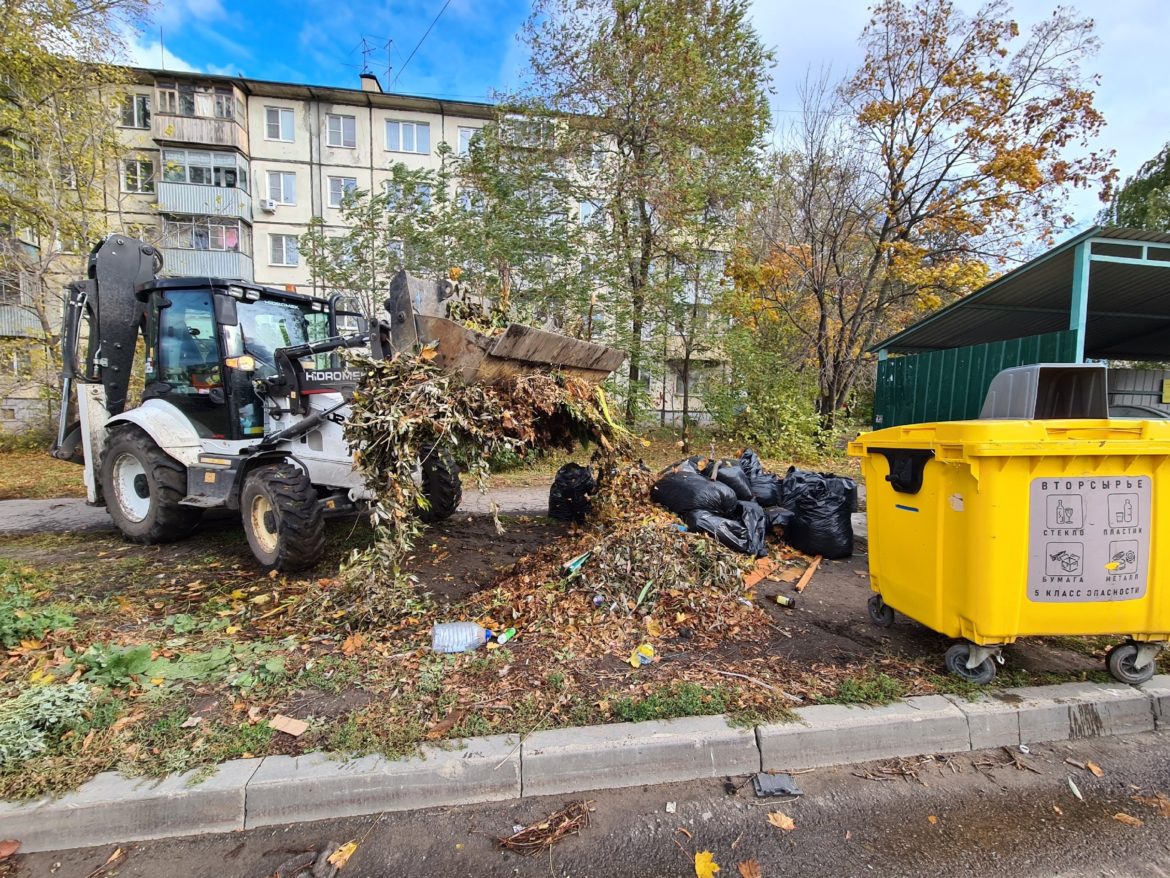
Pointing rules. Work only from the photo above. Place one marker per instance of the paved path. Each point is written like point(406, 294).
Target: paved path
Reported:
point(72, 515)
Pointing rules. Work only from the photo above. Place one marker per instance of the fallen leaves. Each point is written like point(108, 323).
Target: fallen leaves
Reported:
point(705, 865)
point(932, 820)
point(352, 644)
point(341, 856)
point(781, 821)
point(750, 869)
point(1159, 801)
point(1127, 819)
point(8, 847)
point(1095, 768)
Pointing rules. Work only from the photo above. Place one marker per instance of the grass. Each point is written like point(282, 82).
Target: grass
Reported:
point(34, 475)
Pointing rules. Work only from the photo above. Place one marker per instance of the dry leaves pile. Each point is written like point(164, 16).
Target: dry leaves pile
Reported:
point(407, 408)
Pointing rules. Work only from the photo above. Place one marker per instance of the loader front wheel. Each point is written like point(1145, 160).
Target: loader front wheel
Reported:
point(142, 487)
point(440, 485)
point(282, 517)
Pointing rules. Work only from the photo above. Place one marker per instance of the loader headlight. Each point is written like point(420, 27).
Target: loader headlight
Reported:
point(245, 363)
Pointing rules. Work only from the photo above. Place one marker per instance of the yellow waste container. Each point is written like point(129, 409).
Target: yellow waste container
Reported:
point(994, 530)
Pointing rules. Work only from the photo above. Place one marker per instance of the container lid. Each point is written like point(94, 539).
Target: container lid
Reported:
point(1082, 437)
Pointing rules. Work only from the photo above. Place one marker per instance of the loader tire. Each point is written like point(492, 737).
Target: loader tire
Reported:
point(142, 486)
point(282, 517)
point(440, 485)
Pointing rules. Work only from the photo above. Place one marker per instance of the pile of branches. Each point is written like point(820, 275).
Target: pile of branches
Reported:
point(406, 408)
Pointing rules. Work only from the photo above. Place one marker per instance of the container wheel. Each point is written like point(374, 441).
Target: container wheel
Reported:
point(879, 612)
point(956, 661)
point(282, 517)
point(1120, 661)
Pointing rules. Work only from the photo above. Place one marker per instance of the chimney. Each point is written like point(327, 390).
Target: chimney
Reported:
point(370, 83)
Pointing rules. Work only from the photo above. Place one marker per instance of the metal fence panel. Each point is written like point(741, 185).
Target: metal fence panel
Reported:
point(950, 385)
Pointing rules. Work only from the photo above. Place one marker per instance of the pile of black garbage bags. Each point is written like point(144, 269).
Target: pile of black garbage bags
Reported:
point(741, 504)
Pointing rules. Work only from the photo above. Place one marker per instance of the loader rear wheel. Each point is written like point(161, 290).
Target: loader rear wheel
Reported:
point(440, 485)
point(282, 517)
point(142, 487)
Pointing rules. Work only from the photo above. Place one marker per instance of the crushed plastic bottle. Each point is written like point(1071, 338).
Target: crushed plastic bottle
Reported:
point(458, 637)
point(642, 656)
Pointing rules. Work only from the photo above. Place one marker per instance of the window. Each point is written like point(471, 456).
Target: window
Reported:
point(278, 124)
point(223, 169)
point(469, 200)
point(408, 137)
point(136, 111)
point(528, 133)
point(138, 176)
point(282, 187)
point(589, 212)
point(188, 352)
point(211, 233)
point(282, 250)
point(341, 131)
point(187, 99)
point(465, 135)
point(424, 195)
point(338, 186)
point(690, 386)
point(396, 251)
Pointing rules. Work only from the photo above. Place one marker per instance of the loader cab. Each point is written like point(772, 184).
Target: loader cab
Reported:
point(210, 341)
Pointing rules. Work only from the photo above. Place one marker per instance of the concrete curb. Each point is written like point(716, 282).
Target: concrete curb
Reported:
point(277, 790)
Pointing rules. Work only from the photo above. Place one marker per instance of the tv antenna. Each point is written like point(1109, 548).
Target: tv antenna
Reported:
point(371, 49)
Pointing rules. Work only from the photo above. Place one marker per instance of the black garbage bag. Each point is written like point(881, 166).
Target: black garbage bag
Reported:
point(821, 505)
point(778, 517)
point(732, 533)
point(731, 475)
point(686, 490)
point(755, 522)
point(568, 498)
point(764, 485)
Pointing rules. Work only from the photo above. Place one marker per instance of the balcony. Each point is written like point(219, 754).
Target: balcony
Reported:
point(206, 263)
point(18, 322)
point(191, 198)
point(204, 130)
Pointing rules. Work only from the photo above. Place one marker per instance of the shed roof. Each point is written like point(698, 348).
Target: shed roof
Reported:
point(1124, 274)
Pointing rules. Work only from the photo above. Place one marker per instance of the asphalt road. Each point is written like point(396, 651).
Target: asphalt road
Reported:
point(989, 817)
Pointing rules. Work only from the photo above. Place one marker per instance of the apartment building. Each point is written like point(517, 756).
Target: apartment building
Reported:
point(225, 174)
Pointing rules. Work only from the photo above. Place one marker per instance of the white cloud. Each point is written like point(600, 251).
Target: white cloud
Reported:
point(142, 51)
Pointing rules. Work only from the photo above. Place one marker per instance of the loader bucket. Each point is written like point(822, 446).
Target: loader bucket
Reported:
point(481, 358)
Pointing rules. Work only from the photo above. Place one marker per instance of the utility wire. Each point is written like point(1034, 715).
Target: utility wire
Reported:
point(420, 42)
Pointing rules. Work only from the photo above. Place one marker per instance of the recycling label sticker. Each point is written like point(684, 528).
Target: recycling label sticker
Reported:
point(1089, 538)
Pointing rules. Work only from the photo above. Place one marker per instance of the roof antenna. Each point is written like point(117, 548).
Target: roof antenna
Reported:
point(162, 50)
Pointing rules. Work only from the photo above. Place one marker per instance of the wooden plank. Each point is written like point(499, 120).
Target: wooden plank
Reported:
point(808, 574)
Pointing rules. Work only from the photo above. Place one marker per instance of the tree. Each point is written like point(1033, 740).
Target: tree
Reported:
point(1143, 202)
point(59, 104)
point(653, 92)
point(500, 215)
point(953, 145)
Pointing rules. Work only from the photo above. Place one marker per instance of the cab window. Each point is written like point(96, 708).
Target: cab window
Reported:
point(188, 352)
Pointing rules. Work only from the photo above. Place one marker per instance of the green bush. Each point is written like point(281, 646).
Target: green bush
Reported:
point(22, 617)
point(764, 403)
point(28, 720)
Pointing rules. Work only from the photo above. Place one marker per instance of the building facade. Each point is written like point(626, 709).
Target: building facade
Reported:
point(225, 174)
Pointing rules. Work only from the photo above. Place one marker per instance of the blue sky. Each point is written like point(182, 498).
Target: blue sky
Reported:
point(473, 50)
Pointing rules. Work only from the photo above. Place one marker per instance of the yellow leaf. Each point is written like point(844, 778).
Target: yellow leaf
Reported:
point(653, 628)
point(1122, 817)
point(261, 599)
point(1095, 768)
point(781, 821)
point(427, 354)
point(238, 595)
point(352, 644)
point(31, 644)
point(680, 617)
point(231, 629)
point(341, 856)
point(705, 866)
point(157, 681)
point(750, 869)
point(932, 820)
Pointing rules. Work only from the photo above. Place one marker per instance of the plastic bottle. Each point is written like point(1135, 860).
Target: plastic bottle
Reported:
point(458, 637)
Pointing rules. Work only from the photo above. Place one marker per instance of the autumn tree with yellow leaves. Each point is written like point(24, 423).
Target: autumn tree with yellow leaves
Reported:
point(955, 144)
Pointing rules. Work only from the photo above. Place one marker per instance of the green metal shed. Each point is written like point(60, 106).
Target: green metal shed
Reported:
point(1102, 295)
